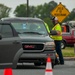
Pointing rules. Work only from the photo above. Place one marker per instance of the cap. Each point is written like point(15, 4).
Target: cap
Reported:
point(55, 18)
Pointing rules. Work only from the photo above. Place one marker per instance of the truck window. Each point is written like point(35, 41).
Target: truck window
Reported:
point(6, 31)
point(64, 29)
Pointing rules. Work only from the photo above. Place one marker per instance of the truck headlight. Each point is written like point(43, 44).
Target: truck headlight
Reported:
point(49, 46)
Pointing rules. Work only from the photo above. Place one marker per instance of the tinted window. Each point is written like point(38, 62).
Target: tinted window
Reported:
point(6, 31)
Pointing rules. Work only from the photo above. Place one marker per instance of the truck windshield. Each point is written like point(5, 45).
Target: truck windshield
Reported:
point(30, 27)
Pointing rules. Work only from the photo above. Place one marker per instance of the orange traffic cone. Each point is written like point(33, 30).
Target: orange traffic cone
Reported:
point(8, 71)
point(48, 70)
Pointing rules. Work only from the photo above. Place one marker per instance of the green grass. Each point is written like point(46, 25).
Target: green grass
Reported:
point(68, 52)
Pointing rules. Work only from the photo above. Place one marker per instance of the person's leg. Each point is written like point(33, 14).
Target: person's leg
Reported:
point(56, 61)
point(59, 52)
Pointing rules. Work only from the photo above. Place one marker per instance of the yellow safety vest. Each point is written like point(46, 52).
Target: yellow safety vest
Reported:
point(57, 27)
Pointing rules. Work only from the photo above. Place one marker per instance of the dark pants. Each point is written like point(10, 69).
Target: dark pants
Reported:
point(59, 51)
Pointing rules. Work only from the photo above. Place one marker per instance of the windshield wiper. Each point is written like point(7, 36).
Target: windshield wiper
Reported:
point(33, 33)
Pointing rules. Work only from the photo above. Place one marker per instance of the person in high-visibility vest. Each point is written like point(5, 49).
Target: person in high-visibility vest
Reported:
point(57, 39)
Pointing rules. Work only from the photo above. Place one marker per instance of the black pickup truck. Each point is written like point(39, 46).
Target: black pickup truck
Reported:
point(24, 40)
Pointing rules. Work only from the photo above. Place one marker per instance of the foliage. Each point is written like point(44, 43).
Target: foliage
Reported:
point(49, 22)
point(32, 11)
point(20, 11)
point(4, 11)
point(71, 16)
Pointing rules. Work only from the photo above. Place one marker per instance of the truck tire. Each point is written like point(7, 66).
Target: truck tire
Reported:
point(63, 45)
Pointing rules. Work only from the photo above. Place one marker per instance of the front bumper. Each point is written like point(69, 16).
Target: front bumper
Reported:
point(32, 57)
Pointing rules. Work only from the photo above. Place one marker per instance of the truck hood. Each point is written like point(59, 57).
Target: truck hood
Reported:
point(35, 38)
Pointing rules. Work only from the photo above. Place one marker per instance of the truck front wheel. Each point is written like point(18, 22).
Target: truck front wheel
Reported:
point(63, 45)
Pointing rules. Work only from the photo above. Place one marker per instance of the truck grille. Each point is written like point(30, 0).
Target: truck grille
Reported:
point(33, 46)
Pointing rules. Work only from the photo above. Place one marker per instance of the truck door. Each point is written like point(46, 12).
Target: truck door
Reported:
point(9, 44)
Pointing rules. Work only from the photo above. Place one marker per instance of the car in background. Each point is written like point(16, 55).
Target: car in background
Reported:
point(25, 40)
point(68, 34)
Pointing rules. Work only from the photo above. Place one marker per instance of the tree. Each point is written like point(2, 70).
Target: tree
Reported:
point(49, 22)
point(38, 11)
point(43, 11)
point(32, 10)
point(71, 16)
point(4, 11)
point(21, 10)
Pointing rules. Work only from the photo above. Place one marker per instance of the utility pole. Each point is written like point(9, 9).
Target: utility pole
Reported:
point(27, 8)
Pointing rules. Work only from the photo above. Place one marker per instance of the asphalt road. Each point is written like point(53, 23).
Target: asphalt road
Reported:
point(30, 69)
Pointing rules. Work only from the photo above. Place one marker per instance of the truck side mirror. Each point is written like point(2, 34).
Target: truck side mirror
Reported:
point(53, 32)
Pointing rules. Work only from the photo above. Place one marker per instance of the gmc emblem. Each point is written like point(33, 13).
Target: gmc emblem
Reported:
point(29, 46)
